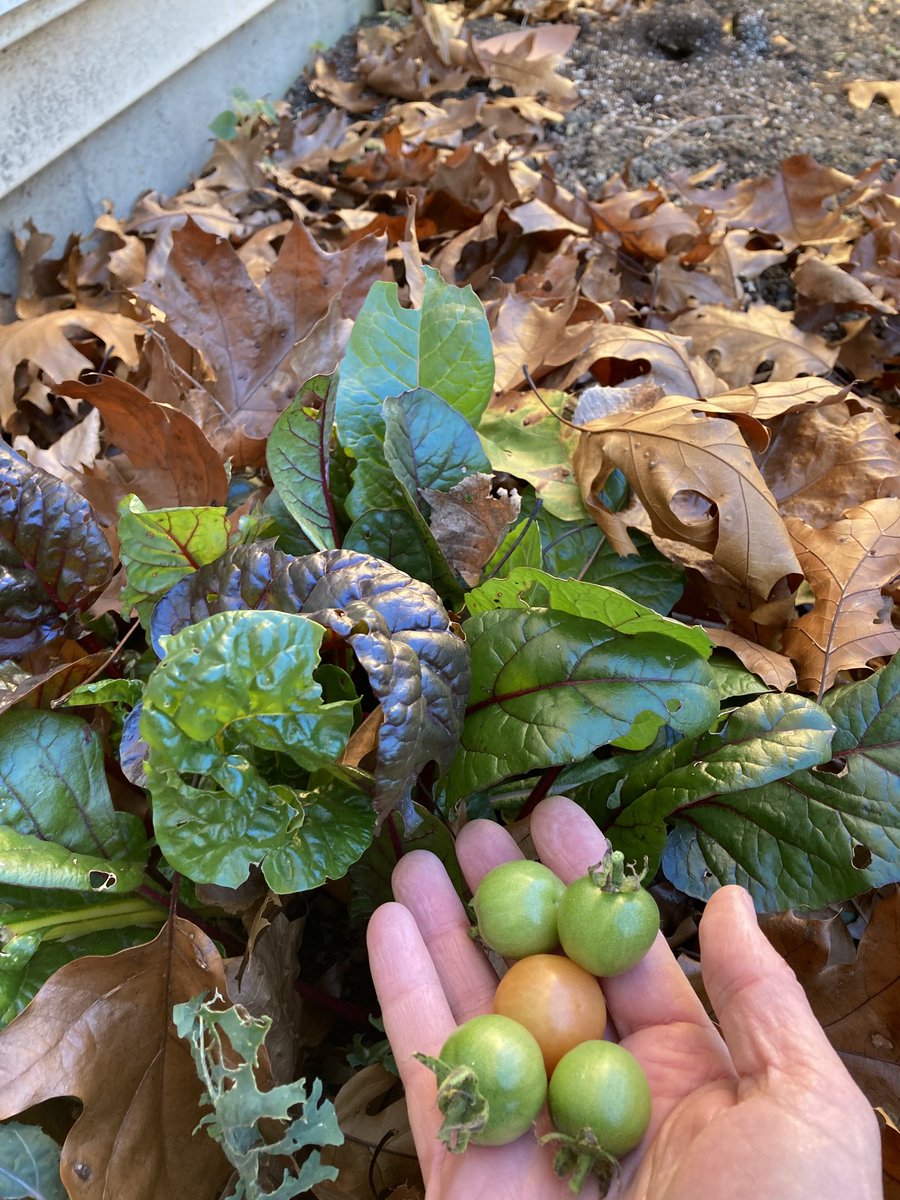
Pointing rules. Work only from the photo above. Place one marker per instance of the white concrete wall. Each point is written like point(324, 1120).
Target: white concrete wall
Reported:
point(103, 99)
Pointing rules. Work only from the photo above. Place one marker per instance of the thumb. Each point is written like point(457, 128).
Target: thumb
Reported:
point(763, 1011)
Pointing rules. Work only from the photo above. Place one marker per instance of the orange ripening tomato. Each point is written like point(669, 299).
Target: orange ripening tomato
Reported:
point(559, 1003)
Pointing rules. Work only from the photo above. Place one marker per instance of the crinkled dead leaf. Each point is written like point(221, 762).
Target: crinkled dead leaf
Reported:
point(66, 458)
point(847, 564)
point(737, 345)
point(772, 668)
point(822, 461)
point(695, 476)
point(803, 201)
point(46, 343)
point(855, 997)
point(528, 61)
point(468, 522)
point(861, 93)
point(828, 283)
point(101, 1030)
point(670, 360)
point(646, 222)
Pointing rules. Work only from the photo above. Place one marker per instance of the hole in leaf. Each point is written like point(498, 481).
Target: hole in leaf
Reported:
point(101, 881)
point(861, 857)
point(673, 705)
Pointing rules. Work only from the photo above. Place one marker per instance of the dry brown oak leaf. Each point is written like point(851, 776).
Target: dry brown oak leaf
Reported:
point(857, 1002)
point(694, 474)
point(847, 565)
point(46, 343)
point(738, 344)
point(100, 1029)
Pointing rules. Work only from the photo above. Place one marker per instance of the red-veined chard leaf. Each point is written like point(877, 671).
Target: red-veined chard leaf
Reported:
point(527, 587)
point(231, 686)
point(298, 457)
point(158, 547)
point(548, 688)
point(444, 346)
point(54, 557)
point(418, 668)
point(58, 827)
point(579, 550)
point(767, 739)
point(814, 837)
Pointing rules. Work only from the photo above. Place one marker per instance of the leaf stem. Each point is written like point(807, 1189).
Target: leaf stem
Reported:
point(539, 791)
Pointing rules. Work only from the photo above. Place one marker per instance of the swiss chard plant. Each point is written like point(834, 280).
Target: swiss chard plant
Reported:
point(427, 606)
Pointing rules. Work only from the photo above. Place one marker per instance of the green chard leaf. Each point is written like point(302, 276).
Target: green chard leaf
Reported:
point(766, 740)
point(395, 536)
point(444, 346)
point(298, 455)
point(300, 1117)
point(428, 444)
point(29, 1164)
point(814, 837)
point(230, 685)
point(526, 587)
point(579, 550)
point(521, 547)
point(160, 547)
point(522, 438)
point(54, 557)
point(548, 688)
point(58, 827)
point(401, 635)
point(41, 930)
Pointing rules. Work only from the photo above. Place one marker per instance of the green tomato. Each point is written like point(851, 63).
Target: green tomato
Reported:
point(492, 1082)
point(515, 906)
point(600, 1086)
point(606, 931)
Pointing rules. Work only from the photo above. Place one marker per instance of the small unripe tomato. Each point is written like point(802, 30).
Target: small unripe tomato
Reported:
point(557, 1001)
point(492, 1082)
point(607, 922)
point(515, 906)
point(600, 1086)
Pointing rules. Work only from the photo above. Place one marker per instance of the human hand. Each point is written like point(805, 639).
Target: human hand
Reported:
point(768, 1112)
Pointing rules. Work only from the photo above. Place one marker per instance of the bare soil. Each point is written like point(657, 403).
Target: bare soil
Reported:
point(686, 85)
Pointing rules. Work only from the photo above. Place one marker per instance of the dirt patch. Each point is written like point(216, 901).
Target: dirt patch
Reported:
point(687, 85)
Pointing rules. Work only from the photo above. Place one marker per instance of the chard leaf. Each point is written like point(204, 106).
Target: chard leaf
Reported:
point(418, 667)
point(444, 346)
point(230, 685)
point(393, 535)
point(57, 821)
point(227, 1046)
point(160, 547)
point(298, 457)
point(428, 444)
point(522, 438)
point(54, 557)
point(29, 1164)
point(548, 688)
point(525, 587)
point(29, 861)
point(42, 930)
point(814, 837)
point(521, 547)
point(578, 549)
point(766, 740)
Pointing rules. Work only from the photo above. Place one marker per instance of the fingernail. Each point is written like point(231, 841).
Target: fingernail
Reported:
point(749, 905)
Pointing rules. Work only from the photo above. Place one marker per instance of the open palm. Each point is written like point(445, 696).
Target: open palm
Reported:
point(770, 1111)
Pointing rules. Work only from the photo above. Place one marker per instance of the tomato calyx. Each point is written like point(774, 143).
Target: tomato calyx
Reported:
point(577, 1157)
point(464, 1108)
point(611, 874)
